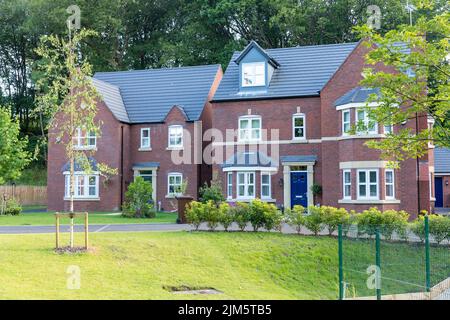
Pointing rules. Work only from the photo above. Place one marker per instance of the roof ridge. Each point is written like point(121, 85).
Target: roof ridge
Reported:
point(158, 69)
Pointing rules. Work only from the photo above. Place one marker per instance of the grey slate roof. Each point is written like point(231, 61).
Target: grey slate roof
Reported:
point(254, 44)
point(356, 95)
point(148, 95)
point(441, 160)
point(249, 159)
point(298, 158)
point(146, 165)
point(112, 98)
point(303, 71)
point(77, 166)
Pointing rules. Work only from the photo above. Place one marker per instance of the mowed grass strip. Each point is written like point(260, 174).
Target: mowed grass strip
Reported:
point(48, 218)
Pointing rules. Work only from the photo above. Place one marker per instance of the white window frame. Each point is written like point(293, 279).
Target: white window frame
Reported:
point(367, 183)
point(386, 184)
point(230, 185)
point(79, 138)
point(294, 117)
point(176, 135)
point(143, 145)
point(366, 121)
point(345, 184)
point(249, 129)
point(344, 123)
point(246, 185)
point(269, 185)
point(254, 76)
point(174, 174)
point(85, 186)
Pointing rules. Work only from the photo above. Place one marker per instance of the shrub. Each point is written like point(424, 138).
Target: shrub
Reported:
point(418, 228)
point(211, 214)
point(439, 227)
point(369, 221)
point(241, 213)
point(394, 221)
point(333, 217)
point(296, 217)
point(314, 220)
point(12, 208)
point(257, 216)
point(226, 216)
point(195, 213)
point(272, 217)
point(138, 200)
point(213, 193)
point(348, 222)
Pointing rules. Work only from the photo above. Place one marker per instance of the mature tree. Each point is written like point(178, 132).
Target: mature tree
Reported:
point(13, 156)
point(419, 56)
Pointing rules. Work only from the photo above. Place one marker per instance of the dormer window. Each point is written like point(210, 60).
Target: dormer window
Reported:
point(254, 74)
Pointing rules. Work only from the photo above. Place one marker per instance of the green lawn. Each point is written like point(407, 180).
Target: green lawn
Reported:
point(139, 265)
point(48, 218)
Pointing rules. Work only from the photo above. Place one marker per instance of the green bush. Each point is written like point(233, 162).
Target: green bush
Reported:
point(213, 193)
point(314, 220)
point(371, 220)
point(195, 213)
point(439, 227)
point(211, 214)
point(226, 216)
point(295, 217)
point(348, 222)
point(257, 216)
point(12, 208)
point(418, 228)
point(138, 200)
point(332, 217)
point(241, 214)
point(273, 218)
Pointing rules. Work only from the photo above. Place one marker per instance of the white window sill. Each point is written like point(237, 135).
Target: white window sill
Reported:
point(363, 136)
point(249, 200)
point(433, 199)
point(174, 148)
point(85, 148)
point(249, 141)
point(82, 199)
point(172, 196)
point(145, 149)
point(369, 201)
point(299, 140)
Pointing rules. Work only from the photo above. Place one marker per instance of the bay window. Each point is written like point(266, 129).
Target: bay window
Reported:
point(367, 184)
point(389, 183)
point(245, 185)
point(347, 184)
point(230, 185)
point(345, 122)
point(85, 186)
point(265, 186)
point(362, 117)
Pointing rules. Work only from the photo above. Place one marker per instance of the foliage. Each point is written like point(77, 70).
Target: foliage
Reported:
point(13, 154)
point(420, 83)
point(439, 227)
point(226, 215)
point(314, 220)
point(241, 213)
point(316, 189)
point(295, 217)
point(418, 228)
point(213, 192)
point(273, 218)
point(332, 217)
point(138, 200)
point(195, 213)
point(12, 208)
point(211, 214)
point(371, 220)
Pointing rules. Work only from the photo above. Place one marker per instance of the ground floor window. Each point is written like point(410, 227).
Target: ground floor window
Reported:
point(85, 186)
point(265, 185)
point(347, 184)
point(367, 184)
point(147, 175)
point(175, 182)
point(389, 182)
point(245, 185)
point(229, 185)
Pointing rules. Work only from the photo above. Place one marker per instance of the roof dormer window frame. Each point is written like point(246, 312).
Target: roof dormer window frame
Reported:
point(255, 75)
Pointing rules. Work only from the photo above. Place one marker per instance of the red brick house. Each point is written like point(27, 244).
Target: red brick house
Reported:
point(291, 110)
point(153, 121)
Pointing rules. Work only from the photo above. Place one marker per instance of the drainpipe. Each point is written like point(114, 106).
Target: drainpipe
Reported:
point(418, 168)
point(121, 165)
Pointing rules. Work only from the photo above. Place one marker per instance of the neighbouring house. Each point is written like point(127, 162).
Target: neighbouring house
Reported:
point(291, 110)
point(442, 177)
point(150, 120)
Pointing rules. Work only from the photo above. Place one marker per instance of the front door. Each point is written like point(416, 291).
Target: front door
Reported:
point(299, 189)
point(438, 192)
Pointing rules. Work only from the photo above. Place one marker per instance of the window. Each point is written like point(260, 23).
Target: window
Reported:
point(367, 184)
point(84, 139)
point(254, 74)
point(249, 129)
point(175, 137)
point(345, 122)
point(246, 185)
point(147, 175)
point(175, 181)
point(298, 126)
point(347, 184)
point(145, 138)
point(230, 185)
point(389, 182)
point(388, 129)
point(362, 117)
point(85, 186)
point(265, 186)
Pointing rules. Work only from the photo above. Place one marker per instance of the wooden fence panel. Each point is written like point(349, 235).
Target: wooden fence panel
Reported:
point(26, 195)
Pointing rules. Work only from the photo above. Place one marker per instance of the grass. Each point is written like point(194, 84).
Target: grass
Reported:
point(139, 265)
point(48, 218)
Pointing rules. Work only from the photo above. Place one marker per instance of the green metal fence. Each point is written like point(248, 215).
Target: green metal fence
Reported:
point(385, 266)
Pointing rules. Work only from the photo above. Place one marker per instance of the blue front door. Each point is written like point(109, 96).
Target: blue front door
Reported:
point(438, 192)
point(299, 189)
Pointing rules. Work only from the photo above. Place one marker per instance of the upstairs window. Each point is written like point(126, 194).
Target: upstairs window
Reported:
point(254, 74)
point(298, 126)
point(175, 136)
point(362, 117)
point(250, 128)
point(84, 139)
point(145, 138)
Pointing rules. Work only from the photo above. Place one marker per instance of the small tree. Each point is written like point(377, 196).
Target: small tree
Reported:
point(138, 200)
point(213, 192)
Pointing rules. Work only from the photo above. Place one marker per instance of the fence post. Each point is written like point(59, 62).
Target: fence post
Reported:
point(341, 264)
point(427, 255)
point(378, 263)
